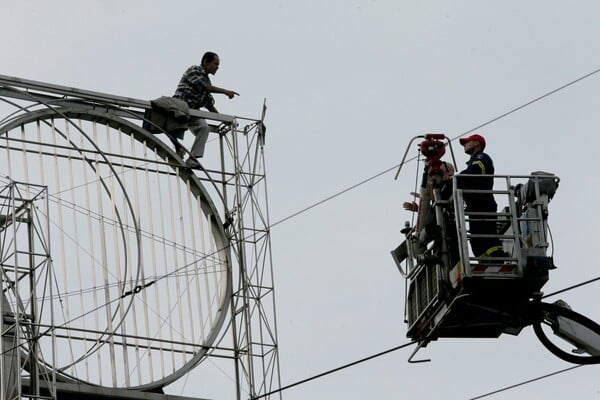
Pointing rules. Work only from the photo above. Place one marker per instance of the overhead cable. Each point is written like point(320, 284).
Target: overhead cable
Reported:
point(281, 389)
point(566, 85)
point(572, 287)
point(526, 382)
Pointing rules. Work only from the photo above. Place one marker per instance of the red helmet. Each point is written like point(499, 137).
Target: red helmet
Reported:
point(476, 137)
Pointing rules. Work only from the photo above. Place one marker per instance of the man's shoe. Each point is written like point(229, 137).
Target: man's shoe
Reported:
point(193, 163)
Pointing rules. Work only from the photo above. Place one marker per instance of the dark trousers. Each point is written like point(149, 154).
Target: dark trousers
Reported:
point(484, 225)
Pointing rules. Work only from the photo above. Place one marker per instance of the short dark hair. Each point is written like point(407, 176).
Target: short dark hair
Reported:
point(209, 56)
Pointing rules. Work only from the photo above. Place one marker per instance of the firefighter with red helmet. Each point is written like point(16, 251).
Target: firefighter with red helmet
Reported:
point(481, 164)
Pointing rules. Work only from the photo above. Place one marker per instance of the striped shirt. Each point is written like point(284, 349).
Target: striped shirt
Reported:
point(192, 88)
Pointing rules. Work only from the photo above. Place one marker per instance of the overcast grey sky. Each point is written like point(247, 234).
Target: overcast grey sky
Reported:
point(348, 84)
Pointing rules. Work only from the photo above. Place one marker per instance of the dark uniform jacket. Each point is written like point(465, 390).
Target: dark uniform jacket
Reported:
point(479, 164)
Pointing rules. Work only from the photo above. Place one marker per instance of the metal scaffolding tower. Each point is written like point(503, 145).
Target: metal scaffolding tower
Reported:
point(155, 266)
point(253, 306)
point(26, 277)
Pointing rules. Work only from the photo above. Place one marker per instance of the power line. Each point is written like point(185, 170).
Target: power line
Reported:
point(331, 371)
point(408, 344)
point(535, 100)
point(550, 93)
point(526, 382)
point(333, 196)
point(572, 287)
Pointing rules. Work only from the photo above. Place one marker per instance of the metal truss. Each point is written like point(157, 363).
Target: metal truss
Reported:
point(26, 277)
point(233, 203)
point(253, 306)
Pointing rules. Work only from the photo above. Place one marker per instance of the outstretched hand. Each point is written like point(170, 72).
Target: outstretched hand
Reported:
point(231, 94)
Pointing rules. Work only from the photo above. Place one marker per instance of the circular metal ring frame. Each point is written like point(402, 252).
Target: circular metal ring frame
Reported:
point(149, 305)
